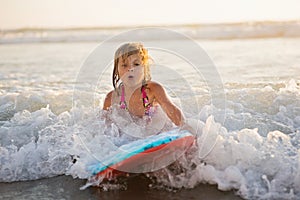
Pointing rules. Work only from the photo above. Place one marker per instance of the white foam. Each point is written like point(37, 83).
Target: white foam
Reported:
point(256, 166)
point(41, 144)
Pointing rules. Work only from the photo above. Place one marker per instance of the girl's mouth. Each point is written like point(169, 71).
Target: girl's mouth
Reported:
point(130, 76)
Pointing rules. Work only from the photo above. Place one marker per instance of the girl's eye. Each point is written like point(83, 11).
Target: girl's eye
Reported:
point(124, 65)
point(136, 64)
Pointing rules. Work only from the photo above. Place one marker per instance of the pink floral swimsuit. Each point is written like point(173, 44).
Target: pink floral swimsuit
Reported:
point(149, 111)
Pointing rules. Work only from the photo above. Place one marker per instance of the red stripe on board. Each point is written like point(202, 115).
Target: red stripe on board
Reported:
point(113, 170)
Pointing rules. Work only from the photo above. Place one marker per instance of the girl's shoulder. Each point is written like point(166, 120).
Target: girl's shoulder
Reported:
point(111, 96)
point(152, 85)
point(108, 100)
point(155, 89)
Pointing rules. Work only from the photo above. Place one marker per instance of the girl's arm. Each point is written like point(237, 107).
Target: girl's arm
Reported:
point(173, 112)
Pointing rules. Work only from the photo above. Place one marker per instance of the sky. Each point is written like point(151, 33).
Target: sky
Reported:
point(97, 13)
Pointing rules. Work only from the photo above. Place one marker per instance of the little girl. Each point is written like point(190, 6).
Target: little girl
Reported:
point(133, 89)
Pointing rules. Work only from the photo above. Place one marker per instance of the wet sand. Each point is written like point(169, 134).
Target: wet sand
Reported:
point(65, 187)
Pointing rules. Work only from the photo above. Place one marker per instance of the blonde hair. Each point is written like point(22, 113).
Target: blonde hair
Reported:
point(126, 50)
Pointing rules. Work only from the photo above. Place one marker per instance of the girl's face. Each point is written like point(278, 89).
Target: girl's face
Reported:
point(131, 70)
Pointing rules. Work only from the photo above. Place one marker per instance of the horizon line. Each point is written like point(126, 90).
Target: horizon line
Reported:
point(115, 27)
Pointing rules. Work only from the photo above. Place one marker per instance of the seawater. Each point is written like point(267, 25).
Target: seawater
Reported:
point(251, 145)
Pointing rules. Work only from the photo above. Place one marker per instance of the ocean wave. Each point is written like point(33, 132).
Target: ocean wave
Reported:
point(255, 151)
point(195, 31)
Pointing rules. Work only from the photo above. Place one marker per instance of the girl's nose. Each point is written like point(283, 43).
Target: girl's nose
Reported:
point(131, 69)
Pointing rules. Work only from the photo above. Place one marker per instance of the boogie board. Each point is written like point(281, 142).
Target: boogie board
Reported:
point(143, 155)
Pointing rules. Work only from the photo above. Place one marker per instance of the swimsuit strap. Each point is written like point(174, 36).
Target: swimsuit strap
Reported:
point(146, 103)
point(122, 101)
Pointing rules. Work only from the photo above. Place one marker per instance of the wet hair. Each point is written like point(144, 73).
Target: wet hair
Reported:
point(126, 50)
